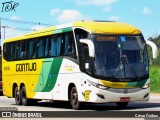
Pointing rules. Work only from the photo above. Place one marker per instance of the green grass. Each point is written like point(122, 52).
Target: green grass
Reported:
point(155, 79)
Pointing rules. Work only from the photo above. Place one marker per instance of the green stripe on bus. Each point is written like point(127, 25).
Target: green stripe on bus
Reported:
point(46, 70)
point(132, 84)
point(62, 30)
point(66, 29)
point(53, 74)
point(47, 63)
point(57, 31)
point(141, 83)
point(137, 84)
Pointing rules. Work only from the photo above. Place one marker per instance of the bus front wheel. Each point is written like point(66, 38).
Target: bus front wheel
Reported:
point(74, 98)
point(17, 96)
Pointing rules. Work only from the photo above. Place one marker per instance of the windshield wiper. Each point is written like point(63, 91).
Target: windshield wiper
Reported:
point(118, 67)
point(125, 61)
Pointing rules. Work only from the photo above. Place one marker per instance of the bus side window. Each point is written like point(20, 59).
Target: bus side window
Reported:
point(18, 50)
point(22, 49)
point(47, 47)
point(58, 42)
point(62, 50)
point(32, 48)
point(7, 51)
point(70, 49)
point(13, 51)
point(55, 46)
point(40, 48)
point(66, 39)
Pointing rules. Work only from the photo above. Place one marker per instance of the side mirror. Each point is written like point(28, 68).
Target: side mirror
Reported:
point(154, 48)
point(90, 45)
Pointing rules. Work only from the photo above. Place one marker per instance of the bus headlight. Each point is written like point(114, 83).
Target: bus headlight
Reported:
point(145, 86)
point(98, 85)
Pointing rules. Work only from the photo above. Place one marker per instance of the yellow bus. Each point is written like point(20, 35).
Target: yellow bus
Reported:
point(79, 62)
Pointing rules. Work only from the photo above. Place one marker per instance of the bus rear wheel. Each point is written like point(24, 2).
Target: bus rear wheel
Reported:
point(74, 98)
point(24, 96)
point(17, 96)
point(122, 104)
point(25, 100)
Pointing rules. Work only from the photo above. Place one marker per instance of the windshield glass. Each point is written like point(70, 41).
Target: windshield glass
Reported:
point(120, 56)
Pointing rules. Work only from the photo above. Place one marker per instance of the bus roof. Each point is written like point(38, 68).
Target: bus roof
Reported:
point(97, 27)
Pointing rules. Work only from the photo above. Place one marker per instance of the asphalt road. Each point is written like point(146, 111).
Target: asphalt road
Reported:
point(152, 105)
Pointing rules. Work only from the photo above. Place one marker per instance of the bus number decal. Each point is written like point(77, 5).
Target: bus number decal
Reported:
point(7, 68)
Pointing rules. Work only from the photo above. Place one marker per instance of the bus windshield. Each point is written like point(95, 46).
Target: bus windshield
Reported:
point(120, 56)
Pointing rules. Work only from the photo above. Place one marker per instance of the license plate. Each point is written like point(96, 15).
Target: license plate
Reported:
point(124, 99)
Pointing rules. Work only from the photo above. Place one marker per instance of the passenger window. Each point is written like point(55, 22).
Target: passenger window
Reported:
point(7, 51)
point(80, 34)
point(17, 50)
point(22, 50)
point(66, 40)
point(69, 45)
point(32, 48)
point(13, 51)
point(41, 48)
point(47, 47)
point(55, 46)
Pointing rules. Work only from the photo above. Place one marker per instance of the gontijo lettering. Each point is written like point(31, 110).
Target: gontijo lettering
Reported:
point(24, 67)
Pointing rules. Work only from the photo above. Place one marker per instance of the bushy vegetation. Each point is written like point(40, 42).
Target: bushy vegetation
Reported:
point(155, 67)
point(155, 79)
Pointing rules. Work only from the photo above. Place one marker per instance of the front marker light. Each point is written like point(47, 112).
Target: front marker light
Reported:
point(145, 86)
point(102, 87)
point(98, 85)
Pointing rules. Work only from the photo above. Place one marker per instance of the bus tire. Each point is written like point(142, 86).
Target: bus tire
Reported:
point(122, 104)
point(17, 96)
point(74, 98)
point(24, 96)
point(25, 100)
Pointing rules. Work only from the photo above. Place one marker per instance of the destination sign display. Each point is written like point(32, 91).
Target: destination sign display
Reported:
point(106, 38)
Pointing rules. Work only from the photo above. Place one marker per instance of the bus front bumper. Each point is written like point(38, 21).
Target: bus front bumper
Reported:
point(122, 95)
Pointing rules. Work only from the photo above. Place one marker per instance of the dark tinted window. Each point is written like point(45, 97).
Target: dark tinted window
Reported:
point(42, 47)
point(22, 50)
